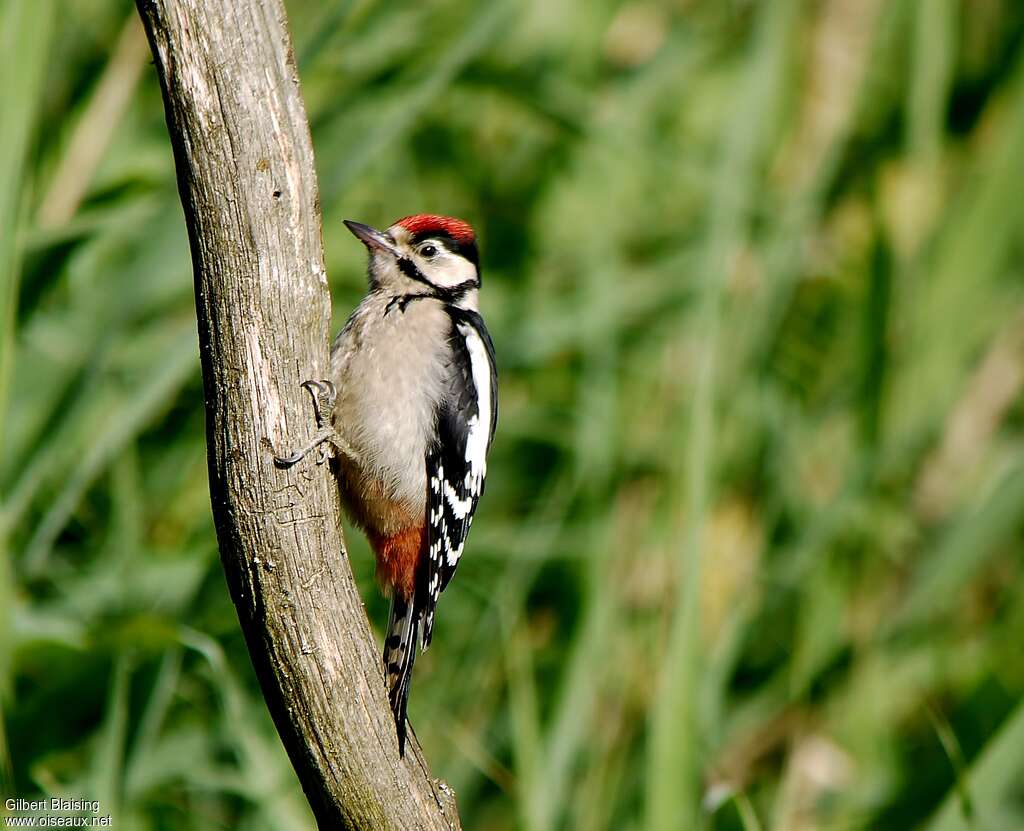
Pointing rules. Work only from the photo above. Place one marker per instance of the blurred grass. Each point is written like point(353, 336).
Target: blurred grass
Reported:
point(751, 550)
point(675, 757)
point(24, 34)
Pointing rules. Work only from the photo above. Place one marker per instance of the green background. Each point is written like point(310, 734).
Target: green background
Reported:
point(750, 554)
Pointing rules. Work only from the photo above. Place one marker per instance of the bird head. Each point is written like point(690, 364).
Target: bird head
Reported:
point(423, 254)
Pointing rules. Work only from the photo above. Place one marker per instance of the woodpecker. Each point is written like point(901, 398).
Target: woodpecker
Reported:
point(410, 409)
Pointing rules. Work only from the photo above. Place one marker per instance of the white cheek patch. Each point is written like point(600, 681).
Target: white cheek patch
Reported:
point(447, 269)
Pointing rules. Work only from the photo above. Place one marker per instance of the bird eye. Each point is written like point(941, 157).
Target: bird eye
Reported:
point(428, 251)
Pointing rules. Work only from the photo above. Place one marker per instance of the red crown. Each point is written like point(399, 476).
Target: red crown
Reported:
point(419, 224)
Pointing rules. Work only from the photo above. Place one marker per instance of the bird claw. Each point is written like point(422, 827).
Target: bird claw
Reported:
point(286, 461)
point(324, 395)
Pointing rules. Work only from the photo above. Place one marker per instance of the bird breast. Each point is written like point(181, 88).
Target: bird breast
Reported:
point(388, 364)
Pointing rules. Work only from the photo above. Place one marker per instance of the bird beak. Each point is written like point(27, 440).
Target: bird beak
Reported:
point(371, 237)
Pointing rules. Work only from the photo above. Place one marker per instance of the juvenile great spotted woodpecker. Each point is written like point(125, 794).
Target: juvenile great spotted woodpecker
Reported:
point(410, 408)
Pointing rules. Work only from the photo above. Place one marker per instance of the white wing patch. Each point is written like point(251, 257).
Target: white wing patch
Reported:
point(480, 424)
point(460, 507)
point(457, 468)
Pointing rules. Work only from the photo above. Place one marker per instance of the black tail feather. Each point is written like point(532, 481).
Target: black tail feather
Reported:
point(399, 658)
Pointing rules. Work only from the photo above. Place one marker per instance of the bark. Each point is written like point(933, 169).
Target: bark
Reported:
point(246, 177)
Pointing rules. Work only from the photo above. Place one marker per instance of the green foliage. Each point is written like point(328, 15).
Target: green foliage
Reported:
point(751, 550)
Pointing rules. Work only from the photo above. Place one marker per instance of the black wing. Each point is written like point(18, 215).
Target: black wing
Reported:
point(457, 465)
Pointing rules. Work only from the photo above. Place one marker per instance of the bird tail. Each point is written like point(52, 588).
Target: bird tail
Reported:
point(399, 657)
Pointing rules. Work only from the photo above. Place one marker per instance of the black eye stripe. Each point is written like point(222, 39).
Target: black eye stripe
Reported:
point(441, 243)
point(447, 294)
point(449, 243)
point(436, 237)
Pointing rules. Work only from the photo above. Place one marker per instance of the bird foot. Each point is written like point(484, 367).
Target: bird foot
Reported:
point(326, 439)
point(324, 395)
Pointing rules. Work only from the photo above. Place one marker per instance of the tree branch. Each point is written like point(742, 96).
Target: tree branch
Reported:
point(246, 177)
